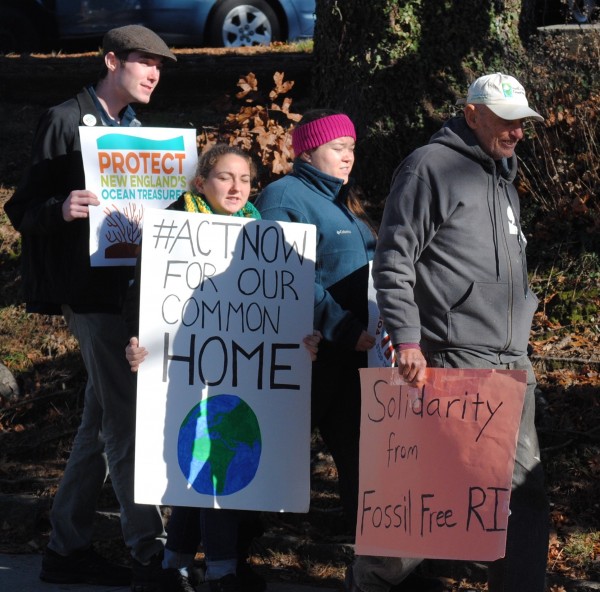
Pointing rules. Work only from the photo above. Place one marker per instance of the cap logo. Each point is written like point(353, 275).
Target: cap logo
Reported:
point(507, 90)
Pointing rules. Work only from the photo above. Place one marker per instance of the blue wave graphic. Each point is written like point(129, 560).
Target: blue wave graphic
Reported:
point(125, 142)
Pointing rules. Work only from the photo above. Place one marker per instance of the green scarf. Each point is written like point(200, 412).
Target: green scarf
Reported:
point(196, 203)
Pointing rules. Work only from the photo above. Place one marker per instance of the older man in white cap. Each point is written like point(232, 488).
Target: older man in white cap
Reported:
point(50, 208)
point(451, 279)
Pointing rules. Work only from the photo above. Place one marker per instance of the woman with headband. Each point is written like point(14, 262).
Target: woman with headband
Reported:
point(320, 191)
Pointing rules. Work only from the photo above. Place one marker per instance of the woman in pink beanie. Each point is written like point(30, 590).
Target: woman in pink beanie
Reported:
point(319, 191)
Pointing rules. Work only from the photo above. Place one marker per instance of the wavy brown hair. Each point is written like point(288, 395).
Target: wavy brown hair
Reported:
point(208, 160)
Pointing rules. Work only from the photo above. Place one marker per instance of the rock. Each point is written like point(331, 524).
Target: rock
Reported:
point(9, 388)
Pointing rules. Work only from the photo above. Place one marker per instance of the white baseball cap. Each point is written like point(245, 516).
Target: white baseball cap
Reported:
point(503, 95)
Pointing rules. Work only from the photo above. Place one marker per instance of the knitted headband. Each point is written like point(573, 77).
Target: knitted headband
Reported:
point(320, 131)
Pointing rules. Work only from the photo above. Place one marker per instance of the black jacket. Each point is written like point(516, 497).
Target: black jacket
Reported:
point(55, 254)
point(131, 306)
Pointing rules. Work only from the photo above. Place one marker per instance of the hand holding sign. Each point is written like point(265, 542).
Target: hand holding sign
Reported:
point(135, 354)
point(77, 204)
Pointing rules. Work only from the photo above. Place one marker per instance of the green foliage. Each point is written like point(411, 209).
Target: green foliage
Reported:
point(580, 548)
point(574, 307)
point(304, 45)
point(569, 291)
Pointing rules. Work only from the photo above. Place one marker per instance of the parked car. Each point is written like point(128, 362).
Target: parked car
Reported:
point(37, 24)
point(583, 11)
point(559, 12)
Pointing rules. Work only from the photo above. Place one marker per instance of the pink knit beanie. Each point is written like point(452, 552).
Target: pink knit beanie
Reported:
point(320, 131)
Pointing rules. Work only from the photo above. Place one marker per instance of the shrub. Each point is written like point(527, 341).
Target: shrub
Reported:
point(560, 161)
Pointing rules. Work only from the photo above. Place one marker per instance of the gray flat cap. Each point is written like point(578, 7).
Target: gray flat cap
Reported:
point(136, 38)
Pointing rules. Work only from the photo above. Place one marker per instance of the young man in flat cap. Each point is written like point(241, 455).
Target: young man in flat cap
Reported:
point(451, 279)
point(50, 209)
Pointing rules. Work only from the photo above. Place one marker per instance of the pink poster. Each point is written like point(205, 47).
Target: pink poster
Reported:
point(436, 462)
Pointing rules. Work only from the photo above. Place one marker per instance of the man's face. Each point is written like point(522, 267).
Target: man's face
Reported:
point(137, 77)
point(496, 136)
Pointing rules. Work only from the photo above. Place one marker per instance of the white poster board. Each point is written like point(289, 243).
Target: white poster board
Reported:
point(132, 169)
point(223, 399)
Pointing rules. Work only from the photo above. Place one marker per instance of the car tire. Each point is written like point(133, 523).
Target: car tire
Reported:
point(239, 23)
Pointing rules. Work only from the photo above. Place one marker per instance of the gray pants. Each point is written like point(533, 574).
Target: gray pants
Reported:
point(104, 442)
point(523, 569)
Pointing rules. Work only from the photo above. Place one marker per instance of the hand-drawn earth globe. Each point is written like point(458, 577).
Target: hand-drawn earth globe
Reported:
point(219, 445)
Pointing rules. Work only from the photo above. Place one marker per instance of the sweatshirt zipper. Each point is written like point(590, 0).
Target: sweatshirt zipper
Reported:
point(510, 303)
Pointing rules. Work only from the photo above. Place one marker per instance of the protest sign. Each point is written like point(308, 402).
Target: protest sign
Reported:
point(131, 169)
point(382, 353)
point(436, 462)
point(223, 398)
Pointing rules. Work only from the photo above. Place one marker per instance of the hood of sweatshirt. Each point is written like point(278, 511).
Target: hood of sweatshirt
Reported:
point(459, 136)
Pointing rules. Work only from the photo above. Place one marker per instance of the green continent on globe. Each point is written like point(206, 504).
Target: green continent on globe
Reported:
point(219, 445)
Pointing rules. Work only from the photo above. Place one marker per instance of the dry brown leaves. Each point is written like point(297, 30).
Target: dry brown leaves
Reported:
point(261, 125)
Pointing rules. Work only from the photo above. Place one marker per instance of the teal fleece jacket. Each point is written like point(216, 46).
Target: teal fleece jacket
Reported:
point(345, 246)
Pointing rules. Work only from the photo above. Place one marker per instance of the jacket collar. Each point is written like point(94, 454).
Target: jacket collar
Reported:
point(326, 185)
point(91, 108)
point(458, 135)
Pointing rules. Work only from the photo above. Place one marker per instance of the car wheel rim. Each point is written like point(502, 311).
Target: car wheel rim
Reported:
point(246, 25)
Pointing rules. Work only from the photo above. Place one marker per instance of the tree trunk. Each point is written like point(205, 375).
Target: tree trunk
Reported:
point(397, 67)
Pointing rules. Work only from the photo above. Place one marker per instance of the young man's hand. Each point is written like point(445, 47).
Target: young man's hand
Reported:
point(78, 203)
point(135, 354)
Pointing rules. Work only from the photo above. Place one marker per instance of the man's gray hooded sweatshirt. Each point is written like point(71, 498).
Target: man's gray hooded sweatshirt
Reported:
point(450, 267)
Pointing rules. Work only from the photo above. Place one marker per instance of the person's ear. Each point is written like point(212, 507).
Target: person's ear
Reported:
point(305, 156)
point(471, 116)
point(198, 184)
point(111, 61)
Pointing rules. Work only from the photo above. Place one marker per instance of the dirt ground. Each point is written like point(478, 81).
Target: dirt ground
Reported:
point(35, 435)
